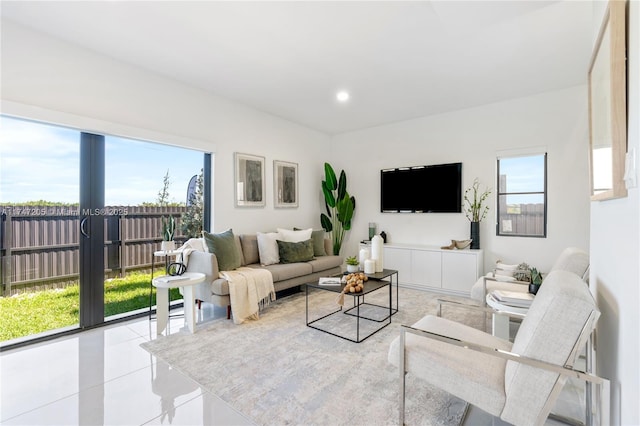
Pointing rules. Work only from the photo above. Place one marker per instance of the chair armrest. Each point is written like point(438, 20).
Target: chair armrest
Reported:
point(507, 355)
point(473, 305)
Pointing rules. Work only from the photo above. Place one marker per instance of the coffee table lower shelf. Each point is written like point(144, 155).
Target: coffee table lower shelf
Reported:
point(354, 312)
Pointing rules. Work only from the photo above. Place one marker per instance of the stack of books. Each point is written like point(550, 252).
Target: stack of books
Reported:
point(330, 281)
point(513, 298)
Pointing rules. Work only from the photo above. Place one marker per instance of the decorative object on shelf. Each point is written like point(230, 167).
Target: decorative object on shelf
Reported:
point(384, 237)
point(522, 272)
point(249, 180)
point(536, 281)
point(354, 283)
point(457, 244)
point(168, 231)
point(377, 252)
point(285, 184)
point(352, 264)
point(462, 244)
point(372, 230)
point(474, 209)
point(339, 205)
point(369, 266)
point(363, 255)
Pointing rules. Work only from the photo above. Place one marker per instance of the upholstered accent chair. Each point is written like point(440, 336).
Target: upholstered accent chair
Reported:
point(571, 259)
point(518, 382)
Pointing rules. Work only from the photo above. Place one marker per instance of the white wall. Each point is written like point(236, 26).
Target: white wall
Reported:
point(50, 80)
point(556, 121)
point(615, 261)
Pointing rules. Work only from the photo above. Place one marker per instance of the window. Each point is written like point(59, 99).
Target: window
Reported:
point(522, 196)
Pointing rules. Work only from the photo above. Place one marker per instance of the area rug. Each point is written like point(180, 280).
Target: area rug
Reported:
point(278, 371)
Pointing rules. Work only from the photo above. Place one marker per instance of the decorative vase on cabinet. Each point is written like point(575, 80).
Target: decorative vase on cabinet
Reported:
point(475, 235)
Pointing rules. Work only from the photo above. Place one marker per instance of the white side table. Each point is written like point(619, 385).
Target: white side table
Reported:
point(167, 255)
point(500, 322)
point(163, 284)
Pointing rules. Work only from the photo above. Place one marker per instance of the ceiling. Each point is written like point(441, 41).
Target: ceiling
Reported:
point(399, 60)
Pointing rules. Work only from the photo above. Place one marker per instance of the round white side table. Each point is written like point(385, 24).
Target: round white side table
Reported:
point(163, 284)
point(500, 323)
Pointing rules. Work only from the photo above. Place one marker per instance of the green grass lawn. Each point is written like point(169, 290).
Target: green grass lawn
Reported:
point(32, 313)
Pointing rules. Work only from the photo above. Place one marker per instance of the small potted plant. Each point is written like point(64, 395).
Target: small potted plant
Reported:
point(352, 264)
point(168, 231)
point(536, 281)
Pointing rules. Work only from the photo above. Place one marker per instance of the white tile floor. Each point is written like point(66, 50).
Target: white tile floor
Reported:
point(103, 376)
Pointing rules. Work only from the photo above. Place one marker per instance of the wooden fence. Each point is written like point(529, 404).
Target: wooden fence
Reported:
point(40, 246)
point(526, 219)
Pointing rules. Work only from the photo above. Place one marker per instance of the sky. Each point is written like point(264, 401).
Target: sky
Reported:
point(39, 161)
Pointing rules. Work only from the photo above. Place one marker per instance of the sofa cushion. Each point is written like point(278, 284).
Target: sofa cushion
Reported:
point(249, 244)
point(268, 248)
point(226, 248)
point(323, 263)
point(285, 271)
point(317, 238)
point(295, 252)
point(294, 236)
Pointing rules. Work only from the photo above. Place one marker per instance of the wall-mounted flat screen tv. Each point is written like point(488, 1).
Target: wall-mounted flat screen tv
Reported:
point(422, 189)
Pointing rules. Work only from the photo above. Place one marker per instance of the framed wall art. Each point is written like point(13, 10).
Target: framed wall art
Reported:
point(285, 184)
point(249, 180)
point(608, 106)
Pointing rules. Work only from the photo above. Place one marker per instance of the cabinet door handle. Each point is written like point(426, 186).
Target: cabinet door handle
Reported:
point(82, 223)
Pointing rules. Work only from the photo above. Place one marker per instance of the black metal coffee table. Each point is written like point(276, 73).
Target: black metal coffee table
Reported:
point(376, 282)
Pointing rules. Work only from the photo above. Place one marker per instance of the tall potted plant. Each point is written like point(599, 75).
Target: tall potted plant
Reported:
point(168, 231)
point(475, 211)
point(339, 205)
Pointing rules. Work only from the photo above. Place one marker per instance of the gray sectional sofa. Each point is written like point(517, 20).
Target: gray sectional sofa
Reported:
point(215, 289)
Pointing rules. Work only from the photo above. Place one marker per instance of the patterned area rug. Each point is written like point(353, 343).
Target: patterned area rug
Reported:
point(278, 371)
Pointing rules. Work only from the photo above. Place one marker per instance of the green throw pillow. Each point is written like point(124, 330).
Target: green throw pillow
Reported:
point(223, 245)
point(317, 238)
point(295, 252)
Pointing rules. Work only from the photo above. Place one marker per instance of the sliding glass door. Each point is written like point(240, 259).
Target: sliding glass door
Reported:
point(82, 215)
point(39, 228)
point(147, 184)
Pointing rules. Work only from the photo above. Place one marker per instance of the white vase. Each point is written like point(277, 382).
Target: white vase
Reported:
point(369, 266)
point(363, 255)
point(352, 268)
point(168, 245)
point(377, 252)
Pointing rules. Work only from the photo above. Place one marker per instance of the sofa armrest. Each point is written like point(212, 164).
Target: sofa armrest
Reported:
point(204, 262)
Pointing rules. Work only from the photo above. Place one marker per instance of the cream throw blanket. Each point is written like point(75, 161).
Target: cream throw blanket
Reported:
point(250, 289)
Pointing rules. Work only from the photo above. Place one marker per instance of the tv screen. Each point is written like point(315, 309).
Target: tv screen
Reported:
point(422, 189)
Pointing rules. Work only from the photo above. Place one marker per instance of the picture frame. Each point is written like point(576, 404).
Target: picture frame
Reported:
point(608, 107)
point(285, 184)
point(249, 180)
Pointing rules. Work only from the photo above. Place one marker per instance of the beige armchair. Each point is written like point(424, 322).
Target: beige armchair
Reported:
point(517, 382)
point(571, 259)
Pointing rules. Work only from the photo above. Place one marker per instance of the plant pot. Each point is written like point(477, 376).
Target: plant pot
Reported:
point(352, 268)
point(475, 235)
point(168, 245)
point(533, 288)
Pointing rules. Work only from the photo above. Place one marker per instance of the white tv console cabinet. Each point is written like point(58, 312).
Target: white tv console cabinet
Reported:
point(432, 268)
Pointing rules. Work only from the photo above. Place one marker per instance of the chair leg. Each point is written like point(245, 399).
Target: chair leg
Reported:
point(401, 368)
point(228, 311)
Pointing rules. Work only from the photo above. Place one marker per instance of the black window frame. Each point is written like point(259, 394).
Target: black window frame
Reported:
point(544, 193)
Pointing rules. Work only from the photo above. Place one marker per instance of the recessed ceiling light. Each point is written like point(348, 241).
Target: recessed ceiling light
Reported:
point(342, 96)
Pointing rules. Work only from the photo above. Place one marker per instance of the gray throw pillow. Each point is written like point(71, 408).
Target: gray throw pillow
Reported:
point(317, 239)
point(295, 252)
point(223, 245)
